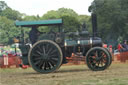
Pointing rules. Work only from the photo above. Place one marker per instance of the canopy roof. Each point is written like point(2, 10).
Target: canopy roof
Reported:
point(39, 23)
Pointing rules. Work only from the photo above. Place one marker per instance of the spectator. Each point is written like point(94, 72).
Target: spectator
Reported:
point(124, 46)
point(119, 47)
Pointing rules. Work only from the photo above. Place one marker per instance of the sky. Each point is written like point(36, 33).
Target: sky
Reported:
point(40, 7)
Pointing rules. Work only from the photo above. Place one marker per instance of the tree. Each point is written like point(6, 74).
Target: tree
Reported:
point(70, 18)
point(51, 15)
point(70, 23)
point(7, 30)
point(3, 6)
point(67, 12)
point(30, 18)
point(11, 14)
point(87, 20)
point(112, 18)
point(8, 12)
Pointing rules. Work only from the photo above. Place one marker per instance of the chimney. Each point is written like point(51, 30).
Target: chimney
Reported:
point(94, 24)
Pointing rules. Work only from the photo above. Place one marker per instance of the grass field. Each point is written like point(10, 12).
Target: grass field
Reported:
point(116, 74)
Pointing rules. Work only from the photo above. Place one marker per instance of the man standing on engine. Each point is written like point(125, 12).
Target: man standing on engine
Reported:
point(33, 34)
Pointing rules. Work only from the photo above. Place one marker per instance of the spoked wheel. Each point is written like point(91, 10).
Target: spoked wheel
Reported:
point(45, 56)
point(97, 59)
point(110, 54)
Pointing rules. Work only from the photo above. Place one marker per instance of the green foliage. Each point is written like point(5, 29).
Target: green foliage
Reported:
point(70, 18)
point(30, 18)
point(71, 22)
point(67, 12)
point(11, 14)
point(51, 15)
point(112, 18)
point(7, 30)
point(87, 20)
point(3, 6)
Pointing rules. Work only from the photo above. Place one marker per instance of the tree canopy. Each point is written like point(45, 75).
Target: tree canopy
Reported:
point(112, 19)
point(72, 21)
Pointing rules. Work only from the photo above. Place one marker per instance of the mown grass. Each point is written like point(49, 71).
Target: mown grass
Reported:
point(116, 74)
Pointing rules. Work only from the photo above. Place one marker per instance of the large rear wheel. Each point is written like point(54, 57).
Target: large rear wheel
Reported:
point(45, 56)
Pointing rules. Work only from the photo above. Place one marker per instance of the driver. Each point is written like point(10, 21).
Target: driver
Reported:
point(33, 34)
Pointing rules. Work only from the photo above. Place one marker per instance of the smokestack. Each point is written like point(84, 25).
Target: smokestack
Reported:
point(94, 24)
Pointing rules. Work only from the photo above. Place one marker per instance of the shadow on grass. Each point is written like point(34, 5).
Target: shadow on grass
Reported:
point(71, 70)
point(59, 71)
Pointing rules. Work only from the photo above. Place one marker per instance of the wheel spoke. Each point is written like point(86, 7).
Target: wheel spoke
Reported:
point(37, 58)
point(104, 59)
point(44, 52)
point(53, 52)
point(39, 52)
point(39, 48)
point(54, 55)
point(98, 63)
point(50, 49)
point(35, 54)
point(37, 62)
point(44, 65)
point(93, 65)
point(103, 54)
point(91, 58)
point(102, 63)
point(100, 53)
point(47, 48)
point(40, 64)
point(53, 62)
point(50, 64)
point(55, 59)
point(96, 54)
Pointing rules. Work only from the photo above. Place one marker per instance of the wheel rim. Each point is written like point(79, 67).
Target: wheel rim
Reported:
point(110, 56)
point(45, 57)
point(97, 59)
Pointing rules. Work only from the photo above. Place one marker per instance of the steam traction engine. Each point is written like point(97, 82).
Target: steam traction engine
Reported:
point(51, 48)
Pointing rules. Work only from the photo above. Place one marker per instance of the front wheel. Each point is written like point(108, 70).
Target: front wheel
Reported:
point(97, 58)
point(110, 54)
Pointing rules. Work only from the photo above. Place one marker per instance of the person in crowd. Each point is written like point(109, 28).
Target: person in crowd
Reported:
point(124, 46)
